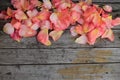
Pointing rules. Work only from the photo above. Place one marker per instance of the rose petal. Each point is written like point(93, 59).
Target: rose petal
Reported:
point(92, 36)
point(108, 34)
point(107, 8)
point(8, 28)
point(82, 39)
point(43, 37)
point(20, 15)
point(56, 34)
point(116, 22)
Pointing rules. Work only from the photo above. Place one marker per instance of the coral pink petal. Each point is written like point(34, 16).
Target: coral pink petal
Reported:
point(43, 37)
point(108, 34)
point(116, 22)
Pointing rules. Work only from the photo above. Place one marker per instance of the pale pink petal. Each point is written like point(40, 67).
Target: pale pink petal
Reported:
point(8, 28)
point(32, 13)
point(82, 39)
point(47, 4)
point(107, 8)
point(56, 34)
point(27, 32)
point(35, 26)
point(73, 31)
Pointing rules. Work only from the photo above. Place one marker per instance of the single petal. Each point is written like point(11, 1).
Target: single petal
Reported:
point(56, 34)
point(73, 31)
point(17, 25)
point(107, 8)
point(116, 22)
point(20, 15)
point(92, 36)
point(35, 26)
point(47, 4)
point(108, 34)
point(9, 12)
point(79, 29)
point(8, 28)
point(43, 37)
point(82, 39)
point(32, 13)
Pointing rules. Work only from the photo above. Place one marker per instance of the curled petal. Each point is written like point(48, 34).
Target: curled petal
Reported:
point(8, 28)
point(73, 31)
point(116, 22)
point(92, 36)
point(47, 4)
point(56, 35)
point(35, 26)
point(20, 15)
point(32, 13)
point(108, 34)
point(79, 29)
point(82, 39)
point(107, 8)
point(9, 12)
point(43, 37)
point(17, 25)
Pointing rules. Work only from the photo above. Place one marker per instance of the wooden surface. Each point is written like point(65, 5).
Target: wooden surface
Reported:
point(64, 60)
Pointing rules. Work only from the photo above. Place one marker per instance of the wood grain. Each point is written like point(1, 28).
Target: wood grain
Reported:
point(59, 56)
point(61, 72)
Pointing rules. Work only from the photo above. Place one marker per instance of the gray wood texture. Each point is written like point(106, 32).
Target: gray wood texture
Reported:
point(61, 72)
point(64, 60)
point(59, 56)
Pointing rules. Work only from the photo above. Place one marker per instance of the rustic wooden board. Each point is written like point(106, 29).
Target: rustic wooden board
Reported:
point(66, 41)
point(57, 56)
point(61, 72)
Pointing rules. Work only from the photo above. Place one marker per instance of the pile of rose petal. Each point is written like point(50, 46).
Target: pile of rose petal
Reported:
point(51, 18)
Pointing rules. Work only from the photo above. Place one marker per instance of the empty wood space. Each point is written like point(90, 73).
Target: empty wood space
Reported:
point(64, 59)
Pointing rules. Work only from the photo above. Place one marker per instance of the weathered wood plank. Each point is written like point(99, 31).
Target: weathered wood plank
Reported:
point(61, 72)
point(57, 56)
point(66, 41)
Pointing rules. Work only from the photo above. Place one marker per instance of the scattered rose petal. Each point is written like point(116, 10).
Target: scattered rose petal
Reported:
point(56, 35)
point(8, 28)
point(82, 39)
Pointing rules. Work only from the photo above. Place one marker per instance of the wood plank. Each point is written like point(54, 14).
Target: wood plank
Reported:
point(61, 72)
point(66, 41)
point(58, 56)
